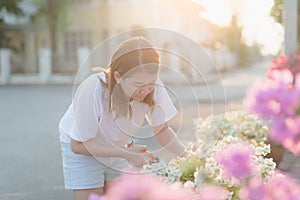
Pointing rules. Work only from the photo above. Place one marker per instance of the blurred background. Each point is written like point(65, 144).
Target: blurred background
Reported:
point(44, 41)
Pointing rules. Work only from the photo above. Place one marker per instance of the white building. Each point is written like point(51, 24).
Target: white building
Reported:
point(173, 25)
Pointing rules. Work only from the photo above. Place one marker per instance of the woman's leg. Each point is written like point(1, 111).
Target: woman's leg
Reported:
point(107, 184)
point(84, 194)
point(117, 167)
point(82, 172)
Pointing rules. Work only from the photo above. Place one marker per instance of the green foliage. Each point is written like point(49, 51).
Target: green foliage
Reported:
point(11, 6)
point(233, 40)
point(189, 167)
point(233, 35)
point(55, 13)
point(277, 10)
point(8, 6)
point(277, 14)
point(56, 19)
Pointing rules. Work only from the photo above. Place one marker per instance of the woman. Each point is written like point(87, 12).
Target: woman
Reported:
point(107, 110)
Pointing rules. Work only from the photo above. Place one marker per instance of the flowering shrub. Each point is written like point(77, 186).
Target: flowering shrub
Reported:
point(277, 99)
point(226, 162)
point(240, 124)
point(228, 150)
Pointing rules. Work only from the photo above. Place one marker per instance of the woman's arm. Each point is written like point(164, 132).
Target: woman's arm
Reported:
point(92, 148)
point(133, 154)
point(168, 139)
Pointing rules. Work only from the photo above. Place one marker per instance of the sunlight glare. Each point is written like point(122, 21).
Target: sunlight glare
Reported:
point(253, 16)
point(223, 16)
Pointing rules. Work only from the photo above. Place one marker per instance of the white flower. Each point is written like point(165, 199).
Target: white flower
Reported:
point(212, 134)
point(262, 151)
point(189, 184)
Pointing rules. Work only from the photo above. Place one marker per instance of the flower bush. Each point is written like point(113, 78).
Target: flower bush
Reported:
point(229, 154)
point(235, 139)
point(226, 162)
point(276, 98)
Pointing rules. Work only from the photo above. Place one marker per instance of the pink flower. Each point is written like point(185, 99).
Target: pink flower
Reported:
point(254, 190)
point(292, 144)
point(286, 131)
point(283, 64)
point(236, 160)
point(209, 192)
point(278, 187)
point(285, 75)
point(95, 197)
point(146, 187)
point(174, 191)
point(282, 187)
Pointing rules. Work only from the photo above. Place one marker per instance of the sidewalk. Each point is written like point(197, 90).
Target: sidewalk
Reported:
point(228, 86)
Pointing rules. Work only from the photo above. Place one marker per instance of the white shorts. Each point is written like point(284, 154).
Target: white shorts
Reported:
point(87, 172)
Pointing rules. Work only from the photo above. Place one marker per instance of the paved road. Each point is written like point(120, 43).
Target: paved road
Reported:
point(29, 141)
point(29, 147)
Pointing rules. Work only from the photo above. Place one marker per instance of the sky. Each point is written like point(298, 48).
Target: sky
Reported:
point(253, 17)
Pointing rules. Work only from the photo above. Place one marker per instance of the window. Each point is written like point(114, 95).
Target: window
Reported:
point(75, 40)
point(72, 41)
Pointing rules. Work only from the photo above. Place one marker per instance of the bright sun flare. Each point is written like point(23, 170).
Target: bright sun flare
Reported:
point(253, 17)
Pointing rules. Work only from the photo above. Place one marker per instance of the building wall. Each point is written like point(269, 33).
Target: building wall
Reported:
point(178, 27)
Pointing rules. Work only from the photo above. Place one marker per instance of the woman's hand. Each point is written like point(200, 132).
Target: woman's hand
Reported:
point(135, 155)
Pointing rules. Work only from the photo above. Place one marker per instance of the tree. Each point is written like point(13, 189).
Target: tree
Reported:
point(234, 42)
point(10, 7)
point(277, 10)
point(56, 16)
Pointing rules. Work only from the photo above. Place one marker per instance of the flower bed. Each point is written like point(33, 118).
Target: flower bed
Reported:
point(227, 153)
point(226, 161)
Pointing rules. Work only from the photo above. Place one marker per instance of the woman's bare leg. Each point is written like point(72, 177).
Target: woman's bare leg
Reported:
point(84, 194)
point(107, 184)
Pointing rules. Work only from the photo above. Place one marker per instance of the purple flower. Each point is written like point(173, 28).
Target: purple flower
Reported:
point(279, 101)
point(287, 132)
point(283, 129)
point(271, 98)
point(263, 98)
point(236, 160)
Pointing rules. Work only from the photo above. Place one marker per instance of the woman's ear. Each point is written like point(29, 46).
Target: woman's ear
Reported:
point(117, 76)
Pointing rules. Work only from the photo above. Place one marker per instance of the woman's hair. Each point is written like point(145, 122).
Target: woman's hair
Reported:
point(134, 55)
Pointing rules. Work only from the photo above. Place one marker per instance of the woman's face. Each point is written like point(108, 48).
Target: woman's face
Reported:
point(138, 85)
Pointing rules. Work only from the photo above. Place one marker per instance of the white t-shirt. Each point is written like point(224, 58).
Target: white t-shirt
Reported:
point(88, 116)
